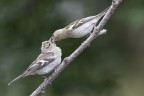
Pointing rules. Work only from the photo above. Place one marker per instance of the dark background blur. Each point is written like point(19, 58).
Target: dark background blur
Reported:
point(112, 66)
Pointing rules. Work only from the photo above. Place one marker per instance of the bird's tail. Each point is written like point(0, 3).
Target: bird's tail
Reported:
point(17, 78)
point(102, 13)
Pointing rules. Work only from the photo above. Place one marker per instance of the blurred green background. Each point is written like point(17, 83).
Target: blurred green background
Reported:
point(113, 65)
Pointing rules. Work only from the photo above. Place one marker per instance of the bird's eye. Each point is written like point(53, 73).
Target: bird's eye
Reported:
point(46, 45)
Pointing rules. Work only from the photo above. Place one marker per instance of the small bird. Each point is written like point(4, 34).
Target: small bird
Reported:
point(46, 62)
point(78, 28)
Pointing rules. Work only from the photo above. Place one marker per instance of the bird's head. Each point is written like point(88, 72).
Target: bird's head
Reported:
point(59, 35)
point(47, 46)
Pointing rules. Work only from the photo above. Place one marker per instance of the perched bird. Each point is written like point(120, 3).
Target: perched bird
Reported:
point(49, 58)
point(78, 28)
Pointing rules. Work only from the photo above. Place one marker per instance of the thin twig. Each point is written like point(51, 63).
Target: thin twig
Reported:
point(97, 31)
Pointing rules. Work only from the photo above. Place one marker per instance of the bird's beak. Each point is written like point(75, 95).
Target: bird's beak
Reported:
point(52, 39)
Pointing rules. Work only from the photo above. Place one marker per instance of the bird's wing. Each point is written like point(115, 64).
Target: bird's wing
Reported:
point(76, 24)
point(38, 64)
point(82, 21)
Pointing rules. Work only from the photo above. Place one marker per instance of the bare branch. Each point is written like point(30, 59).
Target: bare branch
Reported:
point(97, 31)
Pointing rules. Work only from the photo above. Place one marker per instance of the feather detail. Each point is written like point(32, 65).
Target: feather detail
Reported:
point(39, 64)
point(82, 21)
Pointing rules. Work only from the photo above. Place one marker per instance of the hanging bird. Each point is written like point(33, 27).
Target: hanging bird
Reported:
point(78, 28)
